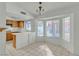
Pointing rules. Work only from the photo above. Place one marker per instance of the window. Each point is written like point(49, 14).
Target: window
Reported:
point(49, 28)
point(52, 28)
point(56, 28)
point(40, 28)
point(28, 25)
point(66, 29)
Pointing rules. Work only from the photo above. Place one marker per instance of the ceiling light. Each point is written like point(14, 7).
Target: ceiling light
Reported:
point(40, 9)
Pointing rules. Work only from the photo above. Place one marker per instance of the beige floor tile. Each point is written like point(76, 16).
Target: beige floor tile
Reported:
point(37, 49)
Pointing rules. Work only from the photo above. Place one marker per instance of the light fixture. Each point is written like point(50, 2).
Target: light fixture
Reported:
point(40, 9)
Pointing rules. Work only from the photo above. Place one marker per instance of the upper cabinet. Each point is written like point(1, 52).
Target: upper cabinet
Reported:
point(9, 22)
point(14, 23)
point(21, 24)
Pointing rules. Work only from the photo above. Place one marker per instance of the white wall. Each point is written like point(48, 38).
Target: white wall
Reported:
point(76, 32)
point(2, 14)
point(2, 43)
point(2, 24)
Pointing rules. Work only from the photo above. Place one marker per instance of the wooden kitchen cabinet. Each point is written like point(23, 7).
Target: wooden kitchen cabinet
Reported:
point(14, 24)
point(9, 36)
point(21, 24)
point(1, 29)
point(14, 41)
point(9, 21)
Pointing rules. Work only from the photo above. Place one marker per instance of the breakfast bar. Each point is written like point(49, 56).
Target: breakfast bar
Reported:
point(22, 39)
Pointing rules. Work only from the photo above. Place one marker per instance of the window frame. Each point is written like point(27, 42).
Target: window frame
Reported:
point(30, 25)
point(37, 29)
point(63, 36)
point(54, 37)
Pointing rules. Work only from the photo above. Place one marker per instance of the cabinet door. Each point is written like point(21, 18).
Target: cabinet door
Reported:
point(15, 24)
point(21, 40)
point(31, 37)
point(9, 36)
point(21, 24)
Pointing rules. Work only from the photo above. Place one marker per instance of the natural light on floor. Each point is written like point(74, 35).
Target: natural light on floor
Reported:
point(46, 49)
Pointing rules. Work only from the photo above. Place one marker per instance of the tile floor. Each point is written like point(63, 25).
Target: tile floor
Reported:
point(38, 49)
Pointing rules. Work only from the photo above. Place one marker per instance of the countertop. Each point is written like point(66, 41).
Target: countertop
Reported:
point(1, 29)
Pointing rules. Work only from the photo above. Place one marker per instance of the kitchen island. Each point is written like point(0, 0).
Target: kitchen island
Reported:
point(23, 39)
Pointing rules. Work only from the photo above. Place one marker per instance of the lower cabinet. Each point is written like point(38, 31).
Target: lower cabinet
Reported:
point(9, 36)
point(14, 41)
point(31, 37)
point(21, 40)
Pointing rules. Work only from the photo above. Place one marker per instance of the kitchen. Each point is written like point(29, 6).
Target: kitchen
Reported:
point(16, 33)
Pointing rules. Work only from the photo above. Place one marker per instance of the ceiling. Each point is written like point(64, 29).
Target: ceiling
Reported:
point(31, 7)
